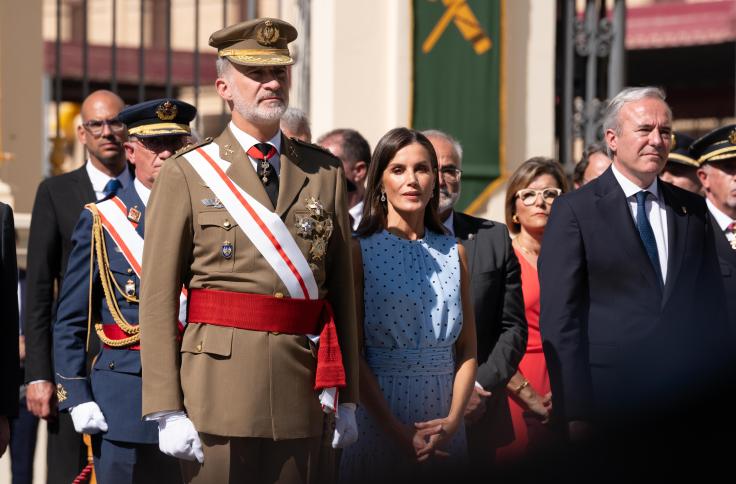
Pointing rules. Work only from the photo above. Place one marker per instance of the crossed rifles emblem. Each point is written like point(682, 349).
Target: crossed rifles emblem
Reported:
point(459, 12)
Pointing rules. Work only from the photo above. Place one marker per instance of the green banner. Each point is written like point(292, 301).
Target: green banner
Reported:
point(457, 82)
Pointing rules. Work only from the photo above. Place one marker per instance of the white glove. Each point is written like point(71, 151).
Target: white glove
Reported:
point(88, 418)
point(346, 429)
point(178, 438)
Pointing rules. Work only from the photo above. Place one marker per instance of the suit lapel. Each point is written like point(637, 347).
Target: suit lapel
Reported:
point(241, 170)
point(466, 233)
point(723, 246)
point(677, 223)
point(292, 177)
point(83, 185)
point(616, 217)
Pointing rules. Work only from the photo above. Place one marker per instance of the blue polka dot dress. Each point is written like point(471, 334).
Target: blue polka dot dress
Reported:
point(413, 316)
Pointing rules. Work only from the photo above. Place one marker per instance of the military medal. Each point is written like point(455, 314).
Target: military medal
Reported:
point(212, 202)
point(130, 287)
point(134, 215)
point(265, 168)
point(317, 226)
point(227, 250)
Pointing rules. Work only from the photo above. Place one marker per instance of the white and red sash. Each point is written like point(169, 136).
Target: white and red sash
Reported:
point(265, 229)
point(114, 218)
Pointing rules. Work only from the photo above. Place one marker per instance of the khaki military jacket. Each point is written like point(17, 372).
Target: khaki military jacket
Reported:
point(234, 382)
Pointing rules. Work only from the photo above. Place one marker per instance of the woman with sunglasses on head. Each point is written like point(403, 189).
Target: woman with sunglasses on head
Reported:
point(533, 188)
point(417, 331)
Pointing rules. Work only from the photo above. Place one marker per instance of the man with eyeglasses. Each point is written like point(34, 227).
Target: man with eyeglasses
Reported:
point(632, 323)
point(99, 300)
point(59, 200)
point(495, 278)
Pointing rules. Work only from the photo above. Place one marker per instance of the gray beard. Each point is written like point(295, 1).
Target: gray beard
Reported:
point(253, 113)
point(447, 201)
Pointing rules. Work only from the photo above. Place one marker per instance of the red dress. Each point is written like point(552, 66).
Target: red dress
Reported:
point(532, 366)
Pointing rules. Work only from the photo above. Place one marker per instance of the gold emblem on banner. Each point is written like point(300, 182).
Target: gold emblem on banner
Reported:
point(166, 111)
point(459, 12)
point(316, 226)
point(267, 33)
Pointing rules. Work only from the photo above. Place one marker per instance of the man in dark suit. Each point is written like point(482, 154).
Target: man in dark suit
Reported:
point(716, 151)
point(631, 317)
point(8, 325)
point(495, 278)
point(59, 201)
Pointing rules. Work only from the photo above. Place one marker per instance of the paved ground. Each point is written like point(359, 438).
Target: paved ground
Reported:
point(39, 463)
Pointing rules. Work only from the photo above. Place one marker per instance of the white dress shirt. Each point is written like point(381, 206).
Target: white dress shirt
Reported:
point(100, 179)
point(246, 141)
point(356, 211)
point(655, 209)
point(722, 220)
point(142, 191)
point(449, 223)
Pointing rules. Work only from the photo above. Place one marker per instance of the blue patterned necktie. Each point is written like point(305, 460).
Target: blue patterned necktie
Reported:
point(647, 234)
point(112, 187)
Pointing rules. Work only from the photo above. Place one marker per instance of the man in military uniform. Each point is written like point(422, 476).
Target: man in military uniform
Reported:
point(681, 168)
point(255, 225)
point(716, 153)
point(99, 298)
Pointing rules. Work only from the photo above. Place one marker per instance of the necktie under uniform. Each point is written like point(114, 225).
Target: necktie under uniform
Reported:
point(262, 152)
point(112, 187)
point(647, 234)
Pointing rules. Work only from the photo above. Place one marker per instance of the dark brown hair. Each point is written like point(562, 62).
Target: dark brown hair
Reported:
point(374, 211)
point(523, 176)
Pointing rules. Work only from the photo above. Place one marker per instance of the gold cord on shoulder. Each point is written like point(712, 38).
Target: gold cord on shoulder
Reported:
point(108, 283)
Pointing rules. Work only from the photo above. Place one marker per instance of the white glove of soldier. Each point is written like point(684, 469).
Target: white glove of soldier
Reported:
point(88, 418)
point(346, 429)
point(178, 438)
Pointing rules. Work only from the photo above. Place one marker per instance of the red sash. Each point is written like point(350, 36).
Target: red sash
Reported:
point(258, 312)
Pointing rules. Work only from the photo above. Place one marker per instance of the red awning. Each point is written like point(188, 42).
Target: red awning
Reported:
point(680, 24)
point(100, 68)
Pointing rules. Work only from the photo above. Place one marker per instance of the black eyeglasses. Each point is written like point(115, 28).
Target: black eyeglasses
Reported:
point(450, 173)
point(97, 126)
point(529, 195)
point(160, 144)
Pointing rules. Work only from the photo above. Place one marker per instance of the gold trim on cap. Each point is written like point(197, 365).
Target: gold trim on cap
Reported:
point(716, 155)
point(159, 129)
point(684, 159)
point(252, 52)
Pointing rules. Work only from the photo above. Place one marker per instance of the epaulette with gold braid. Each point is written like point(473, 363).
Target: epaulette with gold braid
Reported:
point(192, 146)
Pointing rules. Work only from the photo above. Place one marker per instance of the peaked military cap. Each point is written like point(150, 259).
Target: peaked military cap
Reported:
point(257, 42)
point(160, 117)
point(718, 145)
point(680, 152)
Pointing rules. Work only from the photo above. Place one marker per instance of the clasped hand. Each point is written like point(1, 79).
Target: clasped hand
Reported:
point(428, 438)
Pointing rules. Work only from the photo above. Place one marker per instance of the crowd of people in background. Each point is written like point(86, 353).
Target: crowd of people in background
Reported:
point(325, 313)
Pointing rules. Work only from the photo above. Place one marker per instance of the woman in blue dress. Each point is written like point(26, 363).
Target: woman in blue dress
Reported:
point(417, 367)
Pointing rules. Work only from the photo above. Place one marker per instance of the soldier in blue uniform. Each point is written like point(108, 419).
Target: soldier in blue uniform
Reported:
point(99, 299)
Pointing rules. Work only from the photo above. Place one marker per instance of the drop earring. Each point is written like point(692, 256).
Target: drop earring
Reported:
point(383, 196)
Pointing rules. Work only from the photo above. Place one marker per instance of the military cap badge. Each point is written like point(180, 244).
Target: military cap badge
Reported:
point(732, 137)
point(166, 111)
point(267, 33)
